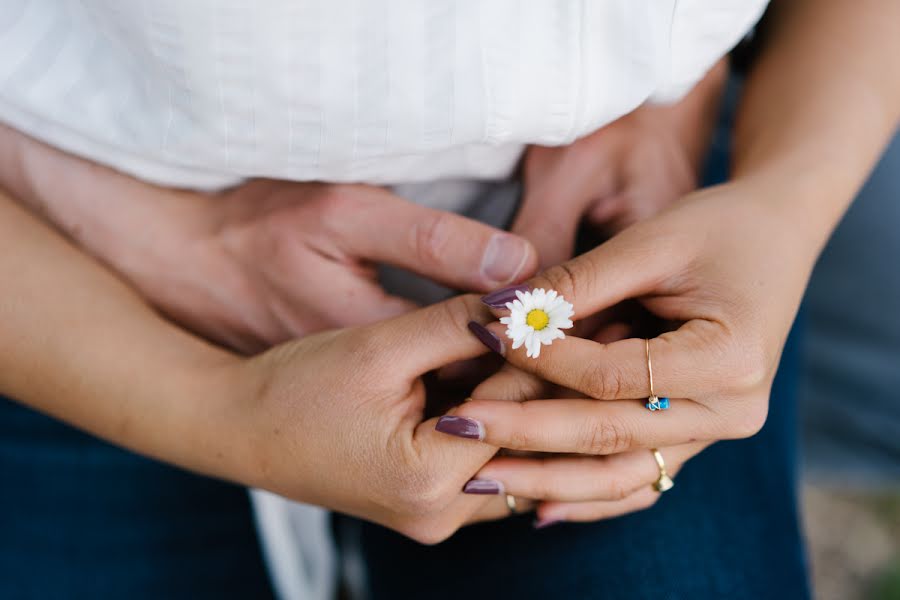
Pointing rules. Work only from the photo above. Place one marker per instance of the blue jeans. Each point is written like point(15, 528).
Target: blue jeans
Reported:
point(728, 529)
point(80, 518)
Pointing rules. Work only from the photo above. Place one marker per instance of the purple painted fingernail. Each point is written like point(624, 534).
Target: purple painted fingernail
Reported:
point(487, 487)
point(499, 298)
point(487, 337)
point(541, 523)
point(463, 427)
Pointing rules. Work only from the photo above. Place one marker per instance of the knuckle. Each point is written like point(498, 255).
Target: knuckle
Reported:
point(364, 348)
point(332, 205)
point(521, 439)
point(428, 239)
point(752, 366)
point(618, 489)
point(544, 488)
point(604, 435)
point(427, 531)
point(422, 496)
point(457, 312)
point(563, 278)
point(331, 201)
point(602, 380)
point(751, 419)
point(647, 501)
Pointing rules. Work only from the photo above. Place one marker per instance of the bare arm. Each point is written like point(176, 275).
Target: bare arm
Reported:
point(820, 105)
point(334, 419)
point(81, 346)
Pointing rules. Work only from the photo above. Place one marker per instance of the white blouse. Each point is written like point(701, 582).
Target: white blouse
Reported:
point(204, 93)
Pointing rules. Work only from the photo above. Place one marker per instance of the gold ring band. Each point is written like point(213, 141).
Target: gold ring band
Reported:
point(663, 483)
point(511, 503)
point(649, 366)
point(654, 402)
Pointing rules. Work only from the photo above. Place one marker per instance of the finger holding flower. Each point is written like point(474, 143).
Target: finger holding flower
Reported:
point(723, 264)
point(536, 318)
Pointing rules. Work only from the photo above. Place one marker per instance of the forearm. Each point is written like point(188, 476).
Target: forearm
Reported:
point(77, 344)
point(124, 223)
point(820, 104)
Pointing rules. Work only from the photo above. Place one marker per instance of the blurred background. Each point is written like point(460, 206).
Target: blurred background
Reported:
point(850, 398)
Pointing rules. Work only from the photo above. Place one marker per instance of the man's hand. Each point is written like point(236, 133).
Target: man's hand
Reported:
point(264, 262)
point(625, 172)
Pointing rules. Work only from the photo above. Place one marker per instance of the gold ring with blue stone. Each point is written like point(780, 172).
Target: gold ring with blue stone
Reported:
point(654, 402)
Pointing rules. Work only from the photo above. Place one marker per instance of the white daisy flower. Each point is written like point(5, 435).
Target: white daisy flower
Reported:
point(537, 318)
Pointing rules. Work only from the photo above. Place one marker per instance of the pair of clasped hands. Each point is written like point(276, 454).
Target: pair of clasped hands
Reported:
point(333, 408)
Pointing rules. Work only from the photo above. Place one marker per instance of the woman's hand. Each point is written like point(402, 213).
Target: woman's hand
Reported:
point(624, 172)
point(730, 265)
point(336, 419)
point(264, 262)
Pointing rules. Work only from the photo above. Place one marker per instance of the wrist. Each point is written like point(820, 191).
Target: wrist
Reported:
point(127, 224)
point(253, 442)
point(812, 197)
point(801, 206)
point(217, 416)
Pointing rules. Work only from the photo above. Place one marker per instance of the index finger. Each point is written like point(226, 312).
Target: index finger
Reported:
point(683, 363)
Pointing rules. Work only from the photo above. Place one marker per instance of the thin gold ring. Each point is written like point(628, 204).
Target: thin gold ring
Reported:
point(664, 483)
point(654, 402)
point(511, 503)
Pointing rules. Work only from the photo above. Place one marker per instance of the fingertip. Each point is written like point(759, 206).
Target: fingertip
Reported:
point(548, 513)
point(498, 330)
point(497, 299)
point(459, 426)
point(395, 306)
point(507, 258)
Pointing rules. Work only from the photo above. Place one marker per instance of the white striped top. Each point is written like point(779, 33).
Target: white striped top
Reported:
point(204, 93)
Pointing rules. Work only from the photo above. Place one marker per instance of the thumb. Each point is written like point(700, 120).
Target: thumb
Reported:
point(628, 265)
point(429, 338)
point(454, 250)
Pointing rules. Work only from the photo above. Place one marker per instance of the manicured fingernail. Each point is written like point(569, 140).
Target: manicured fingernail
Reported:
point(499, 298)
point(463, 427)
point(541, 523)
point(504, 258)
point(487, 337)
point(487, 487)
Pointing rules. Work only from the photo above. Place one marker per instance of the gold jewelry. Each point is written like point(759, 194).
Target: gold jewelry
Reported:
point(511, 503)
point(664, 483)
point(654, 402)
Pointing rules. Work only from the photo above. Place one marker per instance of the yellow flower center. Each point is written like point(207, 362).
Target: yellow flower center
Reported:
point(537, 319)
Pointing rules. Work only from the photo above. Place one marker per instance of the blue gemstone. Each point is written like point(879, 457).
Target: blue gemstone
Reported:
point(651, 406)
point(664, 403)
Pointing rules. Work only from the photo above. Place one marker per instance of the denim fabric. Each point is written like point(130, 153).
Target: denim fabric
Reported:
point(80, 518)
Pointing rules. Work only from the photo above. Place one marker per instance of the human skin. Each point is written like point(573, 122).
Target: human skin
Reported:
point(189, 403)
point(269, 261)
point(625, 171)
point(334, 419)
point(212, 262)
point(728, 263)
point(262, 263)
